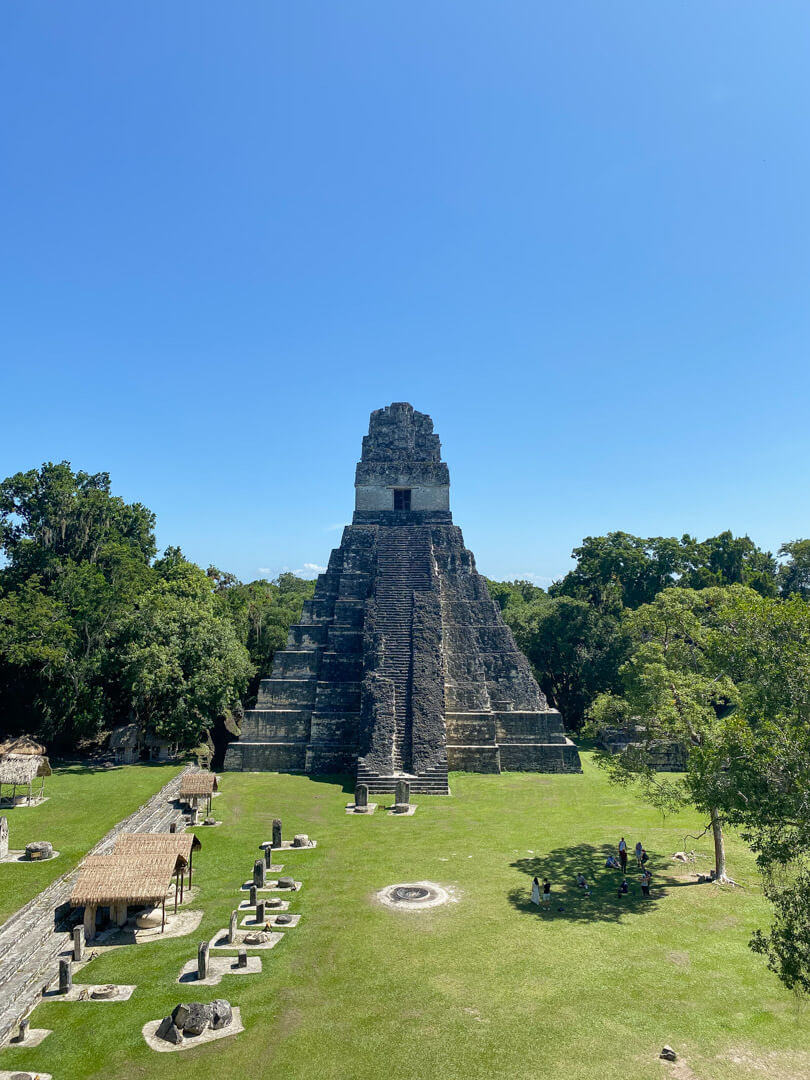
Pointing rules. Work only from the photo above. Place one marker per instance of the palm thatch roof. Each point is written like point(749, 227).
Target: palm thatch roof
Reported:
point(22, 768)
point(110, 879)
point(151, 738)
point(197, 784)
point(23, 744)
point(125, 737)
point(179, 844)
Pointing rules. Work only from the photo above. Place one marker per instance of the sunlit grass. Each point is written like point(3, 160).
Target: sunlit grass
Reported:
point(84, 802)
point(483, 987)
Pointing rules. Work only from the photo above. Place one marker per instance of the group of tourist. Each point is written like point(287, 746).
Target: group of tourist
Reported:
point(542, 893)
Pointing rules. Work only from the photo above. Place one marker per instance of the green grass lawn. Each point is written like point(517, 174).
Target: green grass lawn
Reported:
point(483, 987)
point(84, 802)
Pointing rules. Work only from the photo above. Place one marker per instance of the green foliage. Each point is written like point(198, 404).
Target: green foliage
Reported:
point(794, 573)
point(181, 663)
point(94, 631)
point(52, 514)
point(631, 571)
point(727, 672)
point(261, 613)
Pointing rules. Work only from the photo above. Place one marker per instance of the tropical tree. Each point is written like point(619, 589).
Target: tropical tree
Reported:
point(677, 688)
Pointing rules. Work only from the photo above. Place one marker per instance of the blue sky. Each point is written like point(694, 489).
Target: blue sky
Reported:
point(575, 233)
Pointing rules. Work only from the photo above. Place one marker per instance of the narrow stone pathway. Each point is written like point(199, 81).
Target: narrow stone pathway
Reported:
point(32, 939)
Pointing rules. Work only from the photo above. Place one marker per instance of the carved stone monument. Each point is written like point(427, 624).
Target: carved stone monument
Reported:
point(3, 837)
point(401, 666)
point(361, 798)
point(253, 893)
point(276, 832)
point(78, 943)
point(241, 958)
point(259, 873)
point(202, 960)
point(65, 976)
point(260, 916)
point(232, 927)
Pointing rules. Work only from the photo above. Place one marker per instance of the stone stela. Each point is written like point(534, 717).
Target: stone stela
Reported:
point(401, 666)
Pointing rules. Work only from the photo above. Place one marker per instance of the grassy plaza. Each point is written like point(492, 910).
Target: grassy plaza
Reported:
point(83, 802)
point(483, 986)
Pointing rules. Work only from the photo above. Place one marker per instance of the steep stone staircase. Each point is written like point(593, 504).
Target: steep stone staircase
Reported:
point(431, 782)
point(403, 566)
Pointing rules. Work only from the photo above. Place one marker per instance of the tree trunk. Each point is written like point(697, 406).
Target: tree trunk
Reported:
point(719, 847)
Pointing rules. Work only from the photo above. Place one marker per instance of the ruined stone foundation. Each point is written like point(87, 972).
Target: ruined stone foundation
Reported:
point(401, 666)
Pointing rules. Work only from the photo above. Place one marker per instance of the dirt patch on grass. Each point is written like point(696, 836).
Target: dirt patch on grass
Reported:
point(678, 958)
point(680, 1070)
point(726, 923)
point(289, 1021)
point(775, 1064)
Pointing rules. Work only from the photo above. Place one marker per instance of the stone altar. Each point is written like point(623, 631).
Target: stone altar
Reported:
point(401, 666)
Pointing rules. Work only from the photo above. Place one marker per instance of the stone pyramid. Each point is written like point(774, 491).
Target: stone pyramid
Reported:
point(401, 666)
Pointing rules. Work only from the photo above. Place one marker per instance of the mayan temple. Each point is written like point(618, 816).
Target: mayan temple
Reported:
point(401, 666)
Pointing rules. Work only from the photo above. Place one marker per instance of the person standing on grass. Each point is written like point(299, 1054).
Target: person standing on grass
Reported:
point(536, 891)
point(646, 881)
point(623, 854)
point(546, 891)
point(639, 852)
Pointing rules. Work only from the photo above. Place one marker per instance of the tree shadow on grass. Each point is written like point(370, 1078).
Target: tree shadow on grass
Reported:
point(345, 781)
point(561, 866)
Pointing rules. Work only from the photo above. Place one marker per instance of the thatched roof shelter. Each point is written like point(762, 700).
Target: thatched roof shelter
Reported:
point(125, 737)
point(107, 880)
point(198, 785)
point(22, 769)
point(22, 760)
point(178, 844)
point(23, 744)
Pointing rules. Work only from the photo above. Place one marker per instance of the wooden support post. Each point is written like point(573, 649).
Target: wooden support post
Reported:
point(89, 922)
point(175, 892)
point(190, 865)
point(163, 920)
point(182, 879)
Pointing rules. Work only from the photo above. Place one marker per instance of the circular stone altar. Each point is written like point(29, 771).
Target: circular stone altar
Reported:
point(413, 896)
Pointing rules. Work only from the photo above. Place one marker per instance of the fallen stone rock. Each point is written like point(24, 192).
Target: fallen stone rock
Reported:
point(274, 902)
point(286, 883)
point(283, 920)
point(199, 1018)
point(301, 840)
point(223, 1014)
point(168, 1031)
point(668, 1054)
point(256, 938)
point(179, 1015)
point(102, 993)
point(38, 850)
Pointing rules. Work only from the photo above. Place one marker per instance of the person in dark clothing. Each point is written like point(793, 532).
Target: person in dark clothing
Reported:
point(623, 854)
